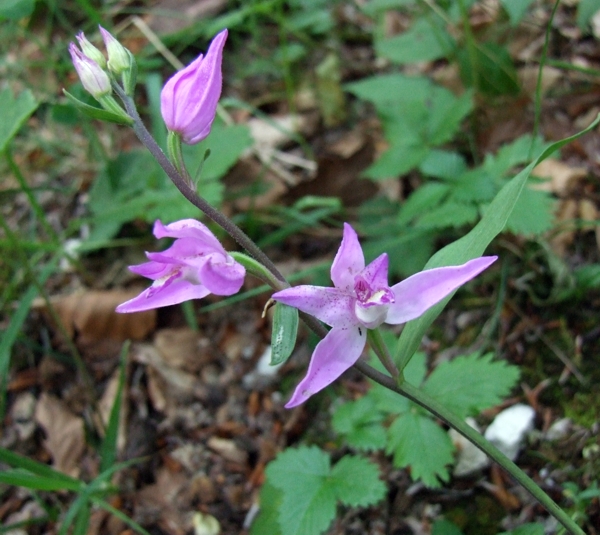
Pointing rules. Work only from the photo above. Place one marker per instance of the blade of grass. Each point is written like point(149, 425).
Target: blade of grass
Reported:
point(19, 478)
point(39, 469)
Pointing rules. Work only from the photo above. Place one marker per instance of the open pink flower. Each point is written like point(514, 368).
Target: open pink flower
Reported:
point(188, 101)
point(193, 267)
point(360, 300)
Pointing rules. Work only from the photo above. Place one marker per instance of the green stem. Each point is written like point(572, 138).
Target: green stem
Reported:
point(176, 155)
point(380, 349)
point(180, 183)
point(471, 44)
point(425, 401)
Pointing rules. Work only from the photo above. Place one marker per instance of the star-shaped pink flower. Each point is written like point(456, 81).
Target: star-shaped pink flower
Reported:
point(360, 300)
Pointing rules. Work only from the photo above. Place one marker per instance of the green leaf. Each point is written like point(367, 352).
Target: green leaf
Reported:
point(585, 12)
point(397, 161)
point(526, 529)
point(470, 384)
point(476, 185)
point(516, 9)
point(496, 74)
point(443, 164)
point(356, 483)
point(308, 504)
point(283, 333)
point(360, 423)
point(417, 442)
point(388, 91)
point(425, 40)
point(267, 520)
point(533, 213)
point(423, 199)
point(472, 245)
point(19, 478)
point(445, 527)
point(98, 113)
point(15, 111)
point(448, 215)
point(16, 9)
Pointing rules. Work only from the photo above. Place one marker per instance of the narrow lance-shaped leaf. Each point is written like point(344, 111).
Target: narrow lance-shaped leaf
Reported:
point(471, 246)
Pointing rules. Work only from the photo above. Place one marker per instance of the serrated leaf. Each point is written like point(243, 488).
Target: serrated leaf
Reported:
point(476, 185)
point(469, 384)
point(308, 504)
point(390, 90)
point(356, 483)
point(422, 200)
point(448, 215)
point(267, 520)
point(283, 333)
point(446, 114)
point(443, 164)
point(417, 442)
point(397, 161)
point(425, 40)
point(360, 423)
point(533, 213)
point(15, 111)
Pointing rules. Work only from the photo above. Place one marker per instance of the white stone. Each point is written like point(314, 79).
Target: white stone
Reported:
point(559, 429)
point(470, 458)
point(508, 430)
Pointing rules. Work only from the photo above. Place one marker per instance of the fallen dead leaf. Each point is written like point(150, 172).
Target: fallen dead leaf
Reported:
point(563, 177)
point(90, 316)
point(65, 438)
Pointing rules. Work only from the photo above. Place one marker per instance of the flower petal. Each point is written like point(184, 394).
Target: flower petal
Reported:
point(348, 262)
point(423, 290)
point(330, 305)
point(376, 273)
point(222, 275)
point(189, 228)
point(337, 352)
point(176, 292)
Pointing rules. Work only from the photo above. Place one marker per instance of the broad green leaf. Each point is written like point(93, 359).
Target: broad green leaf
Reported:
point(16, 9)
point(448, 215)
point(267, 520)
point(445, 527)
point(390, 90)
point(585, 12)
point(419, 443)
point(308, 505)
point(283, 333)
point(360, 423)
point(476, 185)
point(495, 71)
point(446, 115)
point(472, 245)
point(15, 111)
point(516, 9)
point(533, 213)
point(423, 199)
point(356, 483)
point(397, 161)
point(425, 40)
point(443, 164)
point(470, 384)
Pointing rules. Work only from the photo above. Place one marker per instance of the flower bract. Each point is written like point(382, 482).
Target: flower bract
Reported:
point(194, 266)
point(360, 300)
point(188, 101)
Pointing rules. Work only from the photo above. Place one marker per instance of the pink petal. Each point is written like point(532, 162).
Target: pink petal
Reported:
point(337, 352)
point(222, 275)
point(152, 270)
point(376, 273)
point(423, 290)
point(348, 262)
point(330, 305)
point(188, 228)
point(176, 292)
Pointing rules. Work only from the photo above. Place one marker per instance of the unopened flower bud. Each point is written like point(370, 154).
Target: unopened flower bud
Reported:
point(188, 101)
point(90, 50)
point(119, 59)
point(94, 79)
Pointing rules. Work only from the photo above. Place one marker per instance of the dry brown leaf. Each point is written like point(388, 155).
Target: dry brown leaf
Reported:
point(185, 13)
point(563, 177)
point(90, 316)
point(106, 404)
point(529, 78)
point(184, 349)
point(65, 438)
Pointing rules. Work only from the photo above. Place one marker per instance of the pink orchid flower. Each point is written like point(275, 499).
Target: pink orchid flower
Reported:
point(193, 267)
point(94, 80)
point(188, 101)
point(360, 300)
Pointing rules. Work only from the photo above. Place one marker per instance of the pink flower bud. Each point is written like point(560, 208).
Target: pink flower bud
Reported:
point(90, 50)
point(119, 59)
point(94, 79)
point(188, 101)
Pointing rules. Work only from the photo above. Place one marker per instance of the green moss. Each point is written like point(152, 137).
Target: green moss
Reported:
point(583, 408)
